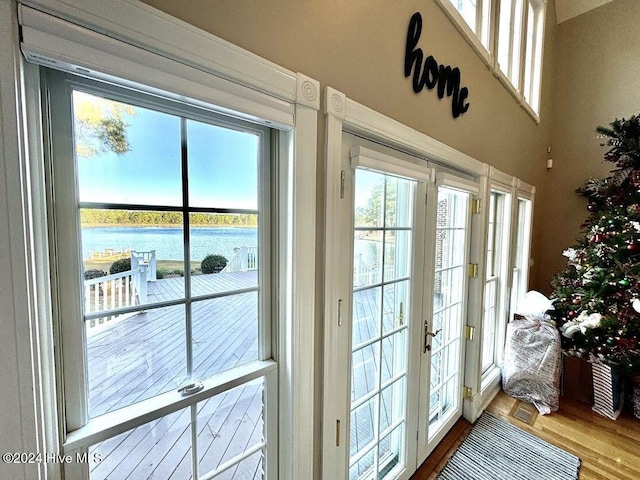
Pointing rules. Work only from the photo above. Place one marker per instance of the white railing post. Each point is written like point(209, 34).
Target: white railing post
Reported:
point(243, 259)
point(141, 287)
point(152, 266)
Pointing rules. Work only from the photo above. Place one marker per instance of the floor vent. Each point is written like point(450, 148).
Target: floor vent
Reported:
point(524, 412)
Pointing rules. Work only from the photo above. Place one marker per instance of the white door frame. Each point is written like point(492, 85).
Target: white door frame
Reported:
point(346, 115)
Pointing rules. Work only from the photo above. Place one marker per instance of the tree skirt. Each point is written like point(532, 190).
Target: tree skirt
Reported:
point(496, 449)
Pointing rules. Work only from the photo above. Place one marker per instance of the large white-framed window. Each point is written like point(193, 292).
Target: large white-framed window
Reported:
point(161, 214)
point(508, 35)
point(137, 47)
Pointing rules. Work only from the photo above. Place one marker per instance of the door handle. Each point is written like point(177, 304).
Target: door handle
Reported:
point(427, 334)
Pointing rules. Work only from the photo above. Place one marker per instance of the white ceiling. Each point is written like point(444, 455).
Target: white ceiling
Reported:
point(566, 9)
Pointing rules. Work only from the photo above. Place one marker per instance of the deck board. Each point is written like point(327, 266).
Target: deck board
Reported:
point(144, 355)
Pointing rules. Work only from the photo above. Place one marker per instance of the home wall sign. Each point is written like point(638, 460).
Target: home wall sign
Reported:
point(432, 74)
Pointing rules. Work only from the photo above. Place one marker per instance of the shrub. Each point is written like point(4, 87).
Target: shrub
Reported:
point(213, 263)
point(122, 265)
point(162, 272)
point(95, 273)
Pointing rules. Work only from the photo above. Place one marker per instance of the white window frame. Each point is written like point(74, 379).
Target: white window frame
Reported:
point(503, 184)
point(83, 432)
point(527, 68)
point(526, 192)
point(135, 45)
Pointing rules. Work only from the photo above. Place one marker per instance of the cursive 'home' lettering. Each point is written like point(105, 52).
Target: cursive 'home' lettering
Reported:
point(432, 74)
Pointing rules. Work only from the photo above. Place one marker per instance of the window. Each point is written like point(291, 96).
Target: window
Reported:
point(494, 318)
point(521, 254)
point(510, 39)
point(476, 14)
point(162, 220)
point(514, 47)
point(533, 58)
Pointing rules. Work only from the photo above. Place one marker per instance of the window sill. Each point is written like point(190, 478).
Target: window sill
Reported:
point(120, 421)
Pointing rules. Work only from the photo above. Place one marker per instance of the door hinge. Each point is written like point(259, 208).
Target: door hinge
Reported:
point(473, 270)
point(476, 205)
point(342, 177)
point(339, 313)
point(337, 433)
point(467, 393)
point(469, 332)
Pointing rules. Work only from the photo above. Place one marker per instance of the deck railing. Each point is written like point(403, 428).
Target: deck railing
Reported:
point(366, 274)
point(118, 290)
point(145, 258)
point(245, 259)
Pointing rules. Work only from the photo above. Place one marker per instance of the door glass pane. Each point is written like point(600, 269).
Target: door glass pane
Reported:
point(367, 252)
point(366, 314)
point(381, 315)
point(449, 292)
point(364, 371)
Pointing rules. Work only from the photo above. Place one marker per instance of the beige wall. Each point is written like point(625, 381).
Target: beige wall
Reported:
point(357, 47)
point(597, 80)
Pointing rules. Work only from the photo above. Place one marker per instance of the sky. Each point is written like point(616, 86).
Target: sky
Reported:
point(223, 165)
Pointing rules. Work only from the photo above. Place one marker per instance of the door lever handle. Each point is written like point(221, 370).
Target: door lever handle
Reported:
point(433, 334)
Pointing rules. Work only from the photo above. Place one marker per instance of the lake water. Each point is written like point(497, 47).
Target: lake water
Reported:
point(168, 241)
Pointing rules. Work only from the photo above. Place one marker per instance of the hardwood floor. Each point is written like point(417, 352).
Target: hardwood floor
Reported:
point(609, 450)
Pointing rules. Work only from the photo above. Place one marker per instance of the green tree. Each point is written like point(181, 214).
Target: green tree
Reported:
point(100, 125)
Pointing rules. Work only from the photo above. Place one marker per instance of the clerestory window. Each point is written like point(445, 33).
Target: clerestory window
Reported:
point(508, 35)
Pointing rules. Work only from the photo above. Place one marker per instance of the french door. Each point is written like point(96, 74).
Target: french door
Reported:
point(446, 280)
point(407, 308)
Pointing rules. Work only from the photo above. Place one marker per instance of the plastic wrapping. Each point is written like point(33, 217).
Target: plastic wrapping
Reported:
point(532, 362)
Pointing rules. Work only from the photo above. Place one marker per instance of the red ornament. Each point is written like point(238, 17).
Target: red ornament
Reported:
point(633, 247)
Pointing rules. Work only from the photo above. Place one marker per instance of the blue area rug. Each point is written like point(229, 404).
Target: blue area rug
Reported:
point(496, 450)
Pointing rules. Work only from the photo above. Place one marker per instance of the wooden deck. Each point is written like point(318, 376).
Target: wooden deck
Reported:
point(145, 355)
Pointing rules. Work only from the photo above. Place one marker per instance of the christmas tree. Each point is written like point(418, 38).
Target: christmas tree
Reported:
point(598, 293)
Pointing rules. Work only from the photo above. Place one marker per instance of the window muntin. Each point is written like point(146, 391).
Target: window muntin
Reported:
point(172, 328)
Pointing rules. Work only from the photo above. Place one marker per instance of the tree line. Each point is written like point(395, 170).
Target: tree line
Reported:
point(90, 216)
